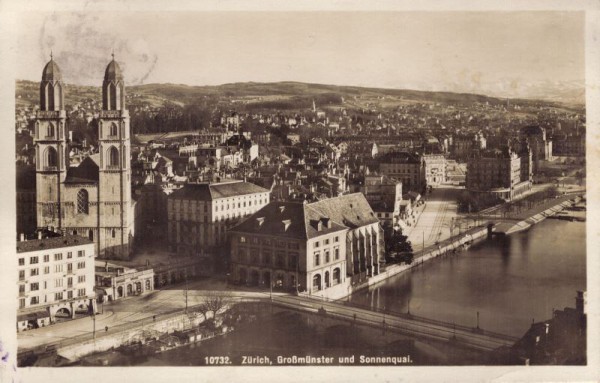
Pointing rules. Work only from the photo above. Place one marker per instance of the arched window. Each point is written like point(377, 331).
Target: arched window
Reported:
point(82, 202)
point(91, 235)
point(113, 157)
point(50, 130)
point(114, 233)
point(50, 157)
point(317, 282)
point(113, 130)
point(336, 276)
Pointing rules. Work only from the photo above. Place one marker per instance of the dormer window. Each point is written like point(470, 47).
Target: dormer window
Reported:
point(286, 224)
point(260, 221)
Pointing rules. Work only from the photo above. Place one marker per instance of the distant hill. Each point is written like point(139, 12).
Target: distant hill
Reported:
point(271, 95)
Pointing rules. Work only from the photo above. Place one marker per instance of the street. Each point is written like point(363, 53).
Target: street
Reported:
point(132, 310)
point(436, 221)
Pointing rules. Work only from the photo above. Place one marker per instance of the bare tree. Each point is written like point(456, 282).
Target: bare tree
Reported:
point(213, 302)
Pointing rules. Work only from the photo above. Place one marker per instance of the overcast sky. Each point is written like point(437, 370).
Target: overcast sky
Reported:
point(487, 53)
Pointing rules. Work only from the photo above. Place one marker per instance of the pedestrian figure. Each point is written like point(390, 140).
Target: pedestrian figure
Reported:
point(106, 328)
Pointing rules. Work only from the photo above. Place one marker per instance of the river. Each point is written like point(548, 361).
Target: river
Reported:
point(510, 280)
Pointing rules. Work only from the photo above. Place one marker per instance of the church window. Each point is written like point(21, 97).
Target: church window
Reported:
point(113, 157)
point(113, 129)
point(82, 202)
point(51, 157)
point(50, 130)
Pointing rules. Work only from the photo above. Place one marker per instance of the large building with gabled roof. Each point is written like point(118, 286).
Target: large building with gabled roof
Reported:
point(312, 247)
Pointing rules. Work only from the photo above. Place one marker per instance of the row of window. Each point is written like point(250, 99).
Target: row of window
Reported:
point(270, 242)
point(35, 286)
point(326, 241)
point(57, 257)
point(326, 256)
point(239, 205)
point(57, 269)
point(57, 297)
point(267, 258)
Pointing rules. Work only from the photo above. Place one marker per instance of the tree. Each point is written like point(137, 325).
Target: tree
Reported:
point(213, 302)
point(397, 247)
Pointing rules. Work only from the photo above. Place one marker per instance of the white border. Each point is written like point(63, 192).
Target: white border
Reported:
point(8, 29)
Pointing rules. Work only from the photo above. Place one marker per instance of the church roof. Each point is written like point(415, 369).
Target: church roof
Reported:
point(87, 172)
point(51, 72)
point(113, 72)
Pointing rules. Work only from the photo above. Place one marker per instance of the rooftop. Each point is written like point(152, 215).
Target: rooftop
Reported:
point(309, 220)
point(212, 191)
point(51, 243)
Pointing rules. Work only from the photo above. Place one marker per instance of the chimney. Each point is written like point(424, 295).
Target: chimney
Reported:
point(40, 234)
point(22, 237)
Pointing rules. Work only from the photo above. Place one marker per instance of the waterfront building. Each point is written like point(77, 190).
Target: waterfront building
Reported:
point(115, 281)
point(92, 199)
point(409, 168)
point(199, 215)
point(313, 247)
point(56, 279)
point(498, 172)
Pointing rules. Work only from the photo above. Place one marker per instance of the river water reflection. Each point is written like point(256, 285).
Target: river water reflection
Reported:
point(510, 281)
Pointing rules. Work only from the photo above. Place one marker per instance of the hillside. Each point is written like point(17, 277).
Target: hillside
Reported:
point(279, 95)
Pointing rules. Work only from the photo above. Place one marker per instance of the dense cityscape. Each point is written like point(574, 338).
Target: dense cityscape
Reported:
point(149, 218)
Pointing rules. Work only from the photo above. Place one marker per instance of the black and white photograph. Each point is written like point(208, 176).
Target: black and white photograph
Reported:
point(253, 189)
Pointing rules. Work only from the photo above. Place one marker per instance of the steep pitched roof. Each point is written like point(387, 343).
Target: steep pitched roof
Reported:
point(88, 171)
point(351, 210)
point(302, 221)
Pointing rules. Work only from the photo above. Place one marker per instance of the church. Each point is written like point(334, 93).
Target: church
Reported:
point(92, 199)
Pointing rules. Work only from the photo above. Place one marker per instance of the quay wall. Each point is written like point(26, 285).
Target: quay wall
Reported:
point(141, 331)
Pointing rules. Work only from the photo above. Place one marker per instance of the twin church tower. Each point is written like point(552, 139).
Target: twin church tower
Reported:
point(92, 199)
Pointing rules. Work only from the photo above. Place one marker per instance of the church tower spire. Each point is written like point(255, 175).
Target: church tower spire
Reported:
point(116, 219)
point(51, 149)
point(113, 87)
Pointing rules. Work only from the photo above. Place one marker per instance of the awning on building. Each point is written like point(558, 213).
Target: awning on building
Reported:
point(33, 315)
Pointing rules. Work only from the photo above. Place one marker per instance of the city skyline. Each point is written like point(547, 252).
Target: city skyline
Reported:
point(504, 54)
